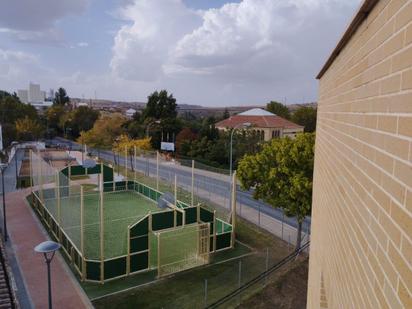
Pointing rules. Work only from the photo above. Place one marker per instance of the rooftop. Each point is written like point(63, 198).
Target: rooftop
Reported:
point(256, 112)
point(258, 118)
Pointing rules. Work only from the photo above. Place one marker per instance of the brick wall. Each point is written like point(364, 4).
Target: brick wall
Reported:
point(361, 243)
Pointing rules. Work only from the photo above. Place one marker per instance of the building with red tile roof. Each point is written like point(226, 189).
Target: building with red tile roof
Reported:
point(267, 124)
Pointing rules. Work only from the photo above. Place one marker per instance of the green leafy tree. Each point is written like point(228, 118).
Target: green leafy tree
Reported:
point(61, 97)
point(81, 119)
point(160, 105)
point(278, 109)
point(305, 116)
point(55, 118)
point(281, 174)
point(226, 114)
point(11, 110)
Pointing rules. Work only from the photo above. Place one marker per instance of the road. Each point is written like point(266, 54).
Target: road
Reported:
point(205, 181)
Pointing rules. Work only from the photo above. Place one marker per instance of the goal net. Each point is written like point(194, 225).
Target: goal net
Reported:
point(180, 248)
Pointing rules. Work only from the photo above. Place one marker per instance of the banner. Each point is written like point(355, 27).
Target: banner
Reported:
point(167, 146)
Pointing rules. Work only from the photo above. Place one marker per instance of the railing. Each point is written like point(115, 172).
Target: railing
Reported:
point(258, 278)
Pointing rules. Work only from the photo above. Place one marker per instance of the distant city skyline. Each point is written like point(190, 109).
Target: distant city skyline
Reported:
point(204, 52)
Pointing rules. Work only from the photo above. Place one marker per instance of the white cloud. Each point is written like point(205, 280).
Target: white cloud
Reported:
point(255, 49)
point(35, 21)
point(141, 47)
point(82, 44)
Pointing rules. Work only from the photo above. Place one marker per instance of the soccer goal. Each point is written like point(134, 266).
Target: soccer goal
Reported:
point(181, 248)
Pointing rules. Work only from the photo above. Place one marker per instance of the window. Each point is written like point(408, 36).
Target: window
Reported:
point(275, 133)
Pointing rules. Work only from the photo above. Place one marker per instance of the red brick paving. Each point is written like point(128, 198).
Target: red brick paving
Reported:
point(25, 233)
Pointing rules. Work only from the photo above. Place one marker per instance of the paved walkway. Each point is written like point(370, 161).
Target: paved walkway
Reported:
point(25, 232)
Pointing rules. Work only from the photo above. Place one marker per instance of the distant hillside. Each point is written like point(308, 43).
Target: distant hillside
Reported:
point(197, 111)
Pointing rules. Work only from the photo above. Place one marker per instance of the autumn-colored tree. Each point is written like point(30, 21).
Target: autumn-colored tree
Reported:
point(281, 174)
point(104, 132)
point(28, 129)
point(183, 140)
point(124, 142)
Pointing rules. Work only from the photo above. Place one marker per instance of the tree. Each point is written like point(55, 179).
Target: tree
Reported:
point(306, 116)
point(60, 97)
point(54, 116)
point(104, 132)
point(278, 109)
point(281, 174)
point(183, 140)
point(160, 105)
point(226, 114)
point(11, 110)
point(28, 129)
point(82, 119)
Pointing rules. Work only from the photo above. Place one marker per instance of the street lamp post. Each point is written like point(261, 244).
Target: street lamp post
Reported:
point(3, 167)
point(48, 248)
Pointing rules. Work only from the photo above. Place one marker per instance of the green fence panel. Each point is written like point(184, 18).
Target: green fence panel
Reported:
point(222, 227)
point(130, 185)
point(139, 261)
point(65, 171)
point(223, 241)
point(141, 228)
point(114, 268)
point(179, 218)
point(93, 270)
point(77, 170)
point(94, 170)
point(162, 220)
point(139, 243)
point(107, 173)
point(120, 185)
point(191, 215)
point(206, 215)
point(108, 187)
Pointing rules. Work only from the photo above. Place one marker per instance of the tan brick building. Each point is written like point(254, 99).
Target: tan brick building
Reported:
point(361, 242)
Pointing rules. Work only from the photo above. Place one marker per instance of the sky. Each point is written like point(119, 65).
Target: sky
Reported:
point(205, 52)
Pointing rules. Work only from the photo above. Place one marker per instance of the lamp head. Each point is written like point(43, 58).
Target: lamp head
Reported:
point(47, 247)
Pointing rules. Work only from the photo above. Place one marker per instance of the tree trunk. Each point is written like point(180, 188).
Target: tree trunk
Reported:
point(299, 236)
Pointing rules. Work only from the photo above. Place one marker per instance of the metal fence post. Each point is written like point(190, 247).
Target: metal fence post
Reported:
point(205, 300)
point(240, 280)
point(267, 264)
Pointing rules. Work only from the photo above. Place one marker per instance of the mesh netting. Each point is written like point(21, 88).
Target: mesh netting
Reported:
point(179, 249)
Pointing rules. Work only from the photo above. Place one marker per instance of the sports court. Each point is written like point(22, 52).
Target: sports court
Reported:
point(121, 209)
point(111, 228)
